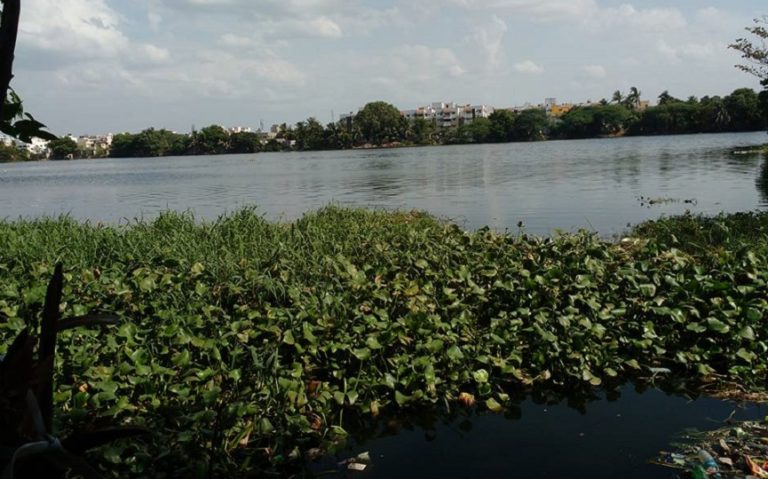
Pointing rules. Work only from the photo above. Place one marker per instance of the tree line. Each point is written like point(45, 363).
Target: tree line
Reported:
point(379, 123)
point(382, 124)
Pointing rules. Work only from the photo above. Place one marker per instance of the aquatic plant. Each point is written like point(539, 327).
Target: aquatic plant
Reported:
point(247, 343)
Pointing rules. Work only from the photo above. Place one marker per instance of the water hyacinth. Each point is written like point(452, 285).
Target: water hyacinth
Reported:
point(244, 343)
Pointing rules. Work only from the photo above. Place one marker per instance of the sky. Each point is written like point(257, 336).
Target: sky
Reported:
point(98, 66)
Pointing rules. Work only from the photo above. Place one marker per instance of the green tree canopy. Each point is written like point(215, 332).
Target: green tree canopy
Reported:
point(244, 142)
point(63, 148)
point(309, 135)
point(531, 125)
point(211, 140)
point(148, 143)
point(596, 121)
point(502, 126)
point(9, 153)
point(380, 122)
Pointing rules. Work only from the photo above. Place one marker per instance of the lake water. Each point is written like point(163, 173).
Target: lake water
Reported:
point(594, 184)
point(603, 439)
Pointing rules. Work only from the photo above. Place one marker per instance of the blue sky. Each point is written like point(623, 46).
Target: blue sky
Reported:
point(97, 66)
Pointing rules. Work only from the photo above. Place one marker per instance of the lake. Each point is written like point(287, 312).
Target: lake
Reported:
point(593, 184)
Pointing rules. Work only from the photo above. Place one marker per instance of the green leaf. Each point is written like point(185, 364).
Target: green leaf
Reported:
point(696, 328)
point(648, 290)
point(373, 343)
point(717, 325)
point(632, 363)
point(493, 405)
point(401, 398)
point(454, 353)
point(362, 353)
point(746, 355)
point(481, 376)
point(747, 333)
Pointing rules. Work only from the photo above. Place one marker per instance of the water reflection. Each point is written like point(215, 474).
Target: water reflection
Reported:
point(590, 434)
point(762, 181)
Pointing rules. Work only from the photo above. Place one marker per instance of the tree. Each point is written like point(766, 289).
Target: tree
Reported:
point(596, 121)
point(309, 135)
point(380, 122)
point(502, 126)
point(422, 132)
point(755, 53)
point(212, 140)
point(479, 130)
point(244, 142)
point(14, 121)
point(9, 29)
point(665, 98)
point(9, 153)
point(531, 125)
point(632, 101)
point(148, 143)
point(63, 148)
point(743, 107)
point(337, 137)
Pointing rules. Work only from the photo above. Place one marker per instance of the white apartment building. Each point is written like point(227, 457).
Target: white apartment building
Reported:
point(37, 146)
point(448, 114)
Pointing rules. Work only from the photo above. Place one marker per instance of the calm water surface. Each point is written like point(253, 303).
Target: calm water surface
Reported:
point(595, 184)
point(604, 439)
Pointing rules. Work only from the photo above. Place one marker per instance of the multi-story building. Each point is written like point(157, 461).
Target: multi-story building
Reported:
point(448, 115)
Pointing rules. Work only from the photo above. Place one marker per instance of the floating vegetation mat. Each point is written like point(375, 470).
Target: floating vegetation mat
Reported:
point(246, 343)
point(739, 450)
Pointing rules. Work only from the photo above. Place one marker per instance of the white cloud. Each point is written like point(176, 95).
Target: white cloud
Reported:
point(318, 27)
point(545, 8)
point(76, 28)
point(489, 38)
point(154, 54)
point(423, 63)
point(154, 19)
point(595, 71)
point(528, 67)
point(689, 50)
point(626, 15)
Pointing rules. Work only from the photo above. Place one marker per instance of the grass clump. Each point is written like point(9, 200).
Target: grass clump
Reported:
point(246, 343)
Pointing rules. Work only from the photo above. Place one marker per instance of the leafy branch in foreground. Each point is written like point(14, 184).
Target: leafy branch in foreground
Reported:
point(16, 123)
point(755, 52)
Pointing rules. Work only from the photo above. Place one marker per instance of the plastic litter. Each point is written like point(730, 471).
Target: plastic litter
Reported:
point(358, 463)
point(708, 464)
point(739, 450)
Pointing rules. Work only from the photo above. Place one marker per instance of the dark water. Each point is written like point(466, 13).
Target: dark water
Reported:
point(595, 184)
point(605, 439)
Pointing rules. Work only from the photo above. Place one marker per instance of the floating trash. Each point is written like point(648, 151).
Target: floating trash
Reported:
point(737, 451)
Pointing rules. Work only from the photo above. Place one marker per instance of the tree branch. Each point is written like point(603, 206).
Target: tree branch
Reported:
point(9, 29)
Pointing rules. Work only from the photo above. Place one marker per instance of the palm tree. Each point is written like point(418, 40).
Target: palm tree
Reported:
point(618, 97)
point(666, 98)
point(632, 101)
